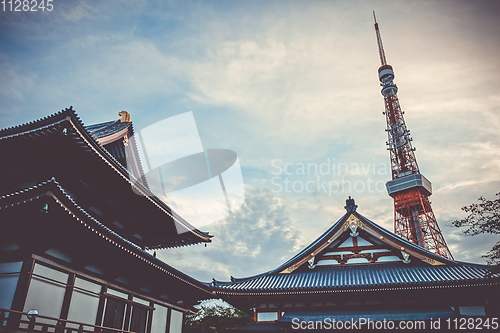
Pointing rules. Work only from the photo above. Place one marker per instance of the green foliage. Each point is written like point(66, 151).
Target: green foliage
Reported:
point(215, 319)
point(484, 217)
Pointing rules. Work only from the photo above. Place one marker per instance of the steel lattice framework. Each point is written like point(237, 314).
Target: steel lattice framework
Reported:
point(414, 219)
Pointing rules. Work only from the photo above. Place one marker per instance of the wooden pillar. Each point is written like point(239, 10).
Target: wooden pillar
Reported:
point(21, 293)
point(128, 310)
point(23, 285)
point(100, 307)
point(183, 322)
point(150, 318)
point(67, 296)
point(169, 315)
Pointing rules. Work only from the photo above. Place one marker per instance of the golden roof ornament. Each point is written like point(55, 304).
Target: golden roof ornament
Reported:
point(125, 116)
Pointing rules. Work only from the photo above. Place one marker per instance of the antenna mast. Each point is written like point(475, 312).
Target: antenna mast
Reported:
point(414, 219)
point(379, 41)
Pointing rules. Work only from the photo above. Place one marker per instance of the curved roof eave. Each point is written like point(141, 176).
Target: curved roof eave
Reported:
point(304, 253)
point(70, 115)
point(53, 189)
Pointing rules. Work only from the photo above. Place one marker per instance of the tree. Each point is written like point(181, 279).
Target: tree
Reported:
point(216, 319)
point(484, 217)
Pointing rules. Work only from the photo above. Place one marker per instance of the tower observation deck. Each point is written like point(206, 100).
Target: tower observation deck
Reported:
point(414, 219)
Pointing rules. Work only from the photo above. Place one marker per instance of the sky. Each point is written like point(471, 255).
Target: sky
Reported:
point(292, 88)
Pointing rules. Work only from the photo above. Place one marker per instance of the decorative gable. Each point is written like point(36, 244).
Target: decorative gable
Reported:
point(355, 246)
point(358, 249)
point(354, 240)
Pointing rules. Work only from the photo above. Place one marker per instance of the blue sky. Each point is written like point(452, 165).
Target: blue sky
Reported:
point(279, 83)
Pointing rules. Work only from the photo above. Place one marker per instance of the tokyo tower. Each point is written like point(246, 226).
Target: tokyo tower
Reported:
point(414, 219)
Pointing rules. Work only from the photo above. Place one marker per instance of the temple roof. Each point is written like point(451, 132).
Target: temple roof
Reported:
point(47, 207)
point(61, 146)
point(107, 128)
point(356, 254)
point(359, 278)
point(341, 225)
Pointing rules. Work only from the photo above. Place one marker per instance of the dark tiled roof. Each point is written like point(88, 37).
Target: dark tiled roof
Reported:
point(338, 278)
point(426, 269)
point(52, 188)
point(95, 127)
point(325, 236)
point(67, 122)
point(40, 123)
point(105, 129)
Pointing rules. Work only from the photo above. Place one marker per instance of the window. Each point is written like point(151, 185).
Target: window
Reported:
point(9, 275)
point(123, 313)
point(139, 317)
point(472, 310)
point(267, 316)
point(114, 313)
point(175, 322)
point(84, 302)
point(159, 319)
point(46, 291)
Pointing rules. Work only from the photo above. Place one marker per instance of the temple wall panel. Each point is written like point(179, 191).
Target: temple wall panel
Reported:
point(84, 302)
point(46, 291)
point(9, 275)
point(176, 322)
point(54, 292)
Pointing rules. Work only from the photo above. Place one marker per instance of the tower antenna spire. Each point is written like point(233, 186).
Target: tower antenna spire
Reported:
point(379, 42)
point(414, 219)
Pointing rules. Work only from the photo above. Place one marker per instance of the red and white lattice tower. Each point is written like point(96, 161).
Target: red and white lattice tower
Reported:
point(414, 219)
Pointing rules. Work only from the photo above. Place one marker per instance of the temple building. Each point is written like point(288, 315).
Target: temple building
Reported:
point(75, 226)
point(77, 220)
point(359, 271)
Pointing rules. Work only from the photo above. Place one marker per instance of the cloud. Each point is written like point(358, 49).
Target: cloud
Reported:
point(294, 81)
point(284, 81)
point(15, 84)
point(467, 248)
point(261, 228)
